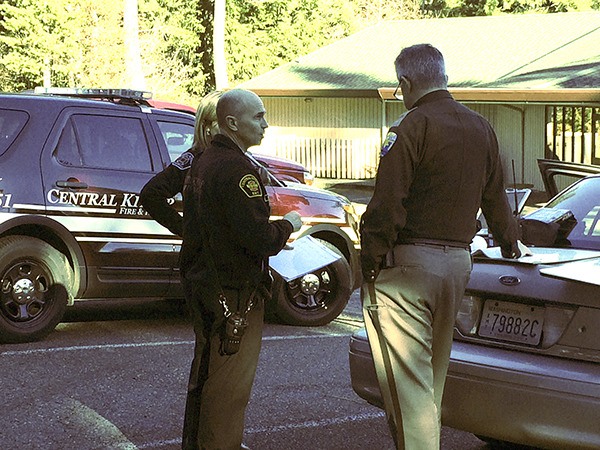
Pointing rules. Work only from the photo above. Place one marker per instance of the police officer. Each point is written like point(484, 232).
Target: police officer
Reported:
point(439, 163)
point(224, 266)
point(156, 194)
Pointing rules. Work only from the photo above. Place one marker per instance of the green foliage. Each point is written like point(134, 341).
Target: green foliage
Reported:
point(264, 34)
point(470, 8)
point(81, 42)
point(67, 42)
point(176, 41)
point(465, 8)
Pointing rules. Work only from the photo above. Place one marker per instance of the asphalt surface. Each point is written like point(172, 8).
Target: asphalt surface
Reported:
point(113, 376)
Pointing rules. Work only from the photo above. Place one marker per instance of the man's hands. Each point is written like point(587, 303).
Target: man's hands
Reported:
point(512, 252)
point(294, 218)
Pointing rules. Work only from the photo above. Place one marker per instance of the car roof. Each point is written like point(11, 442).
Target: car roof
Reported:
point(63, 100)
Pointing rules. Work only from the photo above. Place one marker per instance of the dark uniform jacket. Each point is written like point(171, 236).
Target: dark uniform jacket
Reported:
point(439, 164)
point(156, 194)
point(227, 204)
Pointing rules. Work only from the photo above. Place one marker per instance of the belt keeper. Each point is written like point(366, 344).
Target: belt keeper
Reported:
point(390, 261)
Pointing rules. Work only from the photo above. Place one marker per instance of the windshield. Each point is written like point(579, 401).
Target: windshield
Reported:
point(583, 200)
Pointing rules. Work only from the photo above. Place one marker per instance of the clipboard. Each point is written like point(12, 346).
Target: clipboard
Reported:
point(304, 255)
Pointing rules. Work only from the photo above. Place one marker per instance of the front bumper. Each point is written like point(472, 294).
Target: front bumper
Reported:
point(506, 395)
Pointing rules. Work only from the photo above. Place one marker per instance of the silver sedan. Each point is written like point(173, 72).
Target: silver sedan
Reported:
point(525, 363)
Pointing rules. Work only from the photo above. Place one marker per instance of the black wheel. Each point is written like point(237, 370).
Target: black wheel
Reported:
point(316, 298)
point(35, 280)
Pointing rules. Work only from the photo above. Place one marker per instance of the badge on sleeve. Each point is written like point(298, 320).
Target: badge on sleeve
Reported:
point(184, 161)
point(250, 185)
point(390, 139)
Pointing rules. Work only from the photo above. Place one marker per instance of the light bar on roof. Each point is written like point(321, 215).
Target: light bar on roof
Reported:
point(95, 92)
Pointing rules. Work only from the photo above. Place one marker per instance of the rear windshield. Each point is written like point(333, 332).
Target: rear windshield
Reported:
point(11, 124)
point(583, 200)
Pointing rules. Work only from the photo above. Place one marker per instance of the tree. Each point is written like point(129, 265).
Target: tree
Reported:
point(185, 48)
point(220, 60)
point(373, 11)
point(133, 60)
point(33, 41)
point(60, 42)
point(264, 34)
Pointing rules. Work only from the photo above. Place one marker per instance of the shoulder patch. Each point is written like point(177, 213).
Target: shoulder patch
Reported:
point(390, 139)
point(250, 186)
point(184, 161)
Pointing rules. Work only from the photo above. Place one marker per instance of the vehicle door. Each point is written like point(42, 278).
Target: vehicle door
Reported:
point(94, 164)
point(174, 134)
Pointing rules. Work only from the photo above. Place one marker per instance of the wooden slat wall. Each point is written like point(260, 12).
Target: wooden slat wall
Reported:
point(332, 137)
point(341, 137)
point(350, 153)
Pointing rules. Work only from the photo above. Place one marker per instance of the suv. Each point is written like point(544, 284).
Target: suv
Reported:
point(72, 227)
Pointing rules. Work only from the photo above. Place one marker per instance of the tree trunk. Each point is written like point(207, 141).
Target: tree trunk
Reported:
point(220, 63)
point(133, 59)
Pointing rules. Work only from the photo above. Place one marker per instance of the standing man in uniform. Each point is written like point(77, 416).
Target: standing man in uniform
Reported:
point(439, 164)
point(225, 270)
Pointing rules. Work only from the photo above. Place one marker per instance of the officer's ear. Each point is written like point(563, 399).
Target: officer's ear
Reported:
point(231, 122)
point(408, 85)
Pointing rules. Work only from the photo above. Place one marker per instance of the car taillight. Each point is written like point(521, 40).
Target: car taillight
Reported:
point(468, 314)
point(555, 322)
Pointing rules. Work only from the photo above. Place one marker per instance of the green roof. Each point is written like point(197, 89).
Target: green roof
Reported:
point(529, 51)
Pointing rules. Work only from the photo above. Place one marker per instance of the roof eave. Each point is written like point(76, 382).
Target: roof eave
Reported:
point(512, 95)
point(486, 95)
point(325, 93)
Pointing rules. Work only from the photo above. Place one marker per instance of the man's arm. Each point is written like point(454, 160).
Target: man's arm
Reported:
point(385, 215)
point(500, 219)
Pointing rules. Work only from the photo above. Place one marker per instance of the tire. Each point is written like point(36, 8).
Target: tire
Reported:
point(295, 305)
point(35, 280)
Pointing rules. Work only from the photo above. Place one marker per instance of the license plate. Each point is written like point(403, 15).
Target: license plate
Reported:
point(512, 322)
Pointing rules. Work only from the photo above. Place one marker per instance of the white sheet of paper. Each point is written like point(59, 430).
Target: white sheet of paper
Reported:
point(538, 255)
point(495, 253)
point(302, 256)
point(586, 271)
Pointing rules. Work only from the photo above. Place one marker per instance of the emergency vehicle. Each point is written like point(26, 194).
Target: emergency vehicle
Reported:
point(72, 162)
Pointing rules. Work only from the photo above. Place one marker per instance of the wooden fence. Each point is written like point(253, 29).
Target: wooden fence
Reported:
point(346, 153)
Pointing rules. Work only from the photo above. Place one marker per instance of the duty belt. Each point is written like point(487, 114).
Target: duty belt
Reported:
point(433, 243)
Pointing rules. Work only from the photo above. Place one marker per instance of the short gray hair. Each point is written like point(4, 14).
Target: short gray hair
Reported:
point(423, 65)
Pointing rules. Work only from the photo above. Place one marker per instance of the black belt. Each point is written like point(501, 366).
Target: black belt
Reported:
point(434, 243)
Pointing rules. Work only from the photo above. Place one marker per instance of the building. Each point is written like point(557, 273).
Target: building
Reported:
point(536, 77)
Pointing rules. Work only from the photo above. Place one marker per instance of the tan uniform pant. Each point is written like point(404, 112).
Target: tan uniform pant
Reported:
point(410, 326)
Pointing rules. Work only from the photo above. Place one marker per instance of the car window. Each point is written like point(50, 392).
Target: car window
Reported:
point(11, 123)
point(583, 200)
point(104, 142)
point(178, 137)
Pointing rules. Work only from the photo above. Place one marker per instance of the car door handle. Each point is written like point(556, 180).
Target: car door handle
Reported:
point(72, 184)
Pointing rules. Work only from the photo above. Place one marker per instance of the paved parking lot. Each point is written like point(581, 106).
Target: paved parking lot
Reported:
point(113, 376)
